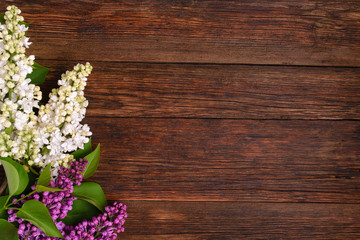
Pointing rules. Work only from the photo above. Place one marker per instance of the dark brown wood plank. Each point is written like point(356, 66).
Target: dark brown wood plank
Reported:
point(233, 220)
point(295, 32)
point(224, 160)
point(218, 91)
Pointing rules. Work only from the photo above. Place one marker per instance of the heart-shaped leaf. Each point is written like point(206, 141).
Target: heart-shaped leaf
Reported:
point(93, 161)
point(81, 153)
point(3, 211)
point(45, 177)
point(92, 193)
point(8, 231)
point(36, 212)
point(38, 74)
point(81, 210)
point(16, 176)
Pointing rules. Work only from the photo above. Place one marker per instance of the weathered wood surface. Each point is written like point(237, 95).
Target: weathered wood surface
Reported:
point(295, 32)
point(218, 160)
point(218, 91)
point(233, 220)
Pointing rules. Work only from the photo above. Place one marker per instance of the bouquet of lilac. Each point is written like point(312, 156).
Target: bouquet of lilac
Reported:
point(46, 151)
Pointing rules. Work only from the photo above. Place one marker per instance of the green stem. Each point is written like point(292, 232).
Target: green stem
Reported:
point(33, 171)
point(7, 206)
point(7, 201)
point(13, 208)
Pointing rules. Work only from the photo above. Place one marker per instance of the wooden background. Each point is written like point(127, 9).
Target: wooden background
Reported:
point(217, 119)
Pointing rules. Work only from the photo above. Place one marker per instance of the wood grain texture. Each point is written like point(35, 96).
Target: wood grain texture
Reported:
point(225, 160)
point(217, 91)
point(295, 32)
point(233, 220)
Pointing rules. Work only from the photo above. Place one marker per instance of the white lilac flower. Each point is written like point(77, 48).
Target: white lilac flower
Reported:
point(18, 97)
point(50, 137)
point(59, 120)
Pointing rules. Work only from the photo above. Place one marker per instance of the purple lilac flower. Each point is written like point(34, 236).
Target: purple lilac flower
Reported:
point(106, 226)
point(58, 203)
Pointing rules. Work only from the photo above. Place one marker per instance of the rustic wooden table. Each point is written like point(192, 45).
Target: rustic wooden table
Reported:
point(217, 119)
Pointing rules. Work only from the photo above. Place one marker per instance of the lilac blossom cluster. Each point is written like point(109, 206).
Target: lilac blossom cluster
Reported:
point(58, 203)
point(103, 227)
point(47, 135)
point(106, 226)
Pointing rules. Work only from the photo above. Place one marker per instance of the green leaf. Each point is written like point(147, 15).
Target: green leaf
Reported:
point(92, 193)
point(35, 212)
point(81, 210)
point(32, 180)
point(8, 230)
point(93, 161)
point(38, 74)
point(16, 176)
point(25, 23)
point(3, 201)
point(45, 177)
point(3, 211)
point(81, 153)
point(40, 188)
point(2, 19)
